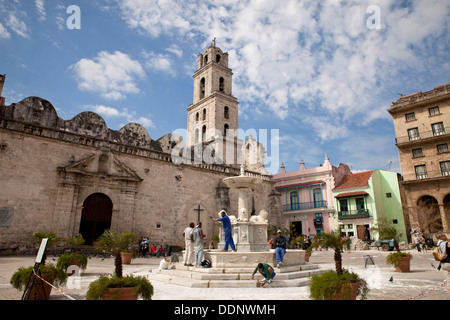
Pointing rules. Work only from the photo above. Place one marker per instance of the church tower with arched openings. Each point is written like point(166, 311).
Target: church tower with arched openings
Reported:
point(214, 109)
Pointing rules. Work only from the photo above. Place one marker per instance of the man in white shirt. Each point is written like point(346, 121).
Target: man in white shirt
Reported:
point(188, 258)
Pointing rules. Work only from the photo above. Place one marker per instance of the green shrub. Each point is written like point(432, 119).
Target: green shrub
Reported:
point(327, 285)
point(142, 286)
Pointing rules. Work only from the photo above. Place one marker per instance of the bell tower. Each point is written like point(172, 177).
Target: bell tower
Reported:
point(214, 109)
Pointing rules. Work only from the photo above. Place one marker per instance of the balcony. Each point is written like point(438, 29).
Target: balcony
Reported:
point(353, 214)
point(304, 206)
point(422, 136)
point(432, 174)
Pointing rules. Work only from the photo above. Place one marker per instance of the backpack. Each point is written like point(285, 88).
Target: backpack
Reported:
point(438, 254)
point(206, 263)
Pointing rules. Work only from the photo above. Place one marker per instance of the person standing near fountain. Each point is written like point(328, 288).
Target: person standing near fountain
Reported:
point(198, 244)
point(226, 223)
point(280, 248)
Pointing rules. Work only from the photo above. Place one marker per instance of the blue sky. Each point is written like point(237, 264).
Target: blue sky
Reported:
point(314, 70)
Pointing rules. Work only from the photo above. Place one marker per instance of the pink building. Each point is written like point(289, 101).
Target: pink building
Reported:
point(307, 196)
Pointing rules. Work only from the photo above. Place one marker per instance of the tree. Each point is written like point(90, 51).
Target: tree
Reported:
point(334, 241)
point(116, 243)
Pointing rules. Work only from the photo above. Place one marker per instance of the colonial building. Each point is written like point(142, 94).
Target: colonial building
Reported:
point(78, 176)
point(362, 199)
point(422, 130)
point(307, 197)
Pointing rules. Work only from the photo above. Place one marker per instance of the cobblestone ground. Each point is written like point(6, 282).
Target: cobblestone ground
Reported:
point(424, 282)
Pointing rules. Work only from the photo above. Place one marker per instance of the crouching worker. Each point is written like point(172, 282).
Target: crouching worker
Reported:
point(266, 271)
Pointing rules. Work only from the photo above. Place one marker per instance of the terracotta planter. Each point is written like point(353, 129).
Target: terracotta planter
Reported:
point(354, 291)
point(126, 257)
point(120, 294)
point(36, 292)
point(77, 263)
point(404, 265)
point(307, 255)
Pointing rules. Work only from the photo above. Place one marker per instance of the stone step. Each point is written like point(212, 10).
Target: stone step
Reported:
point(294, 276)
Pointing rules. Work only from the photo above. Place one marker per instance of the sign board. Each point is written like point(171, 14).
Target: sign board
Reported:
point(41, 251)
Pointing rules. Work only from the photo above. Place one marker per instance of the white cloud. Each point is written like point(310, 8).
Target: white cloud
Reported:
point(158, 62)
point(4, 34)
point(318, 56)
point(40, 8)
point(17, 25)
point(129, 116)
point(113, 75)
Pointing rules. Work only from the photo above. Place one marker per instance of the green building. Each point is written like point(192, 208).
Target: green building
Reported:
point(362, 199)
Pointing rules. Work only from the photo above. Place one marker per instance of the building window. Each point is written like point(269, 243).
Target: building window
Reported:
point(204, 133)
point(226, 113)
point(218, 58)
point(434, 111)
point(438, 129)
point(417, 153)
point(413, 134)
point(442, 148)
point(202, 88)
point(197, 117)
point(225, 129)
point(221, 84)
point(421, 172)
point(294, 200)
point(410, 116)
point(388, 195)
point(204, 115)
point(445, 168)
point(343, 205)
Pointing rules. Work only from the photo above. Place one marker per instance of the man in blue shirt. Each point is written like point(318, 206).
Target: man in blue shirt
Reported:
point(226, 223)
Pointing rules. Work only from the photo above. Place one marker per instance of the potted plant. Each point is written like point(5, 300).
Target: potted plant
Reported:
point(214, 240)
point(117, 243)
point(400, 260)
point(49, 273)
point(298, 242)
point(308, 253)
point(75, 242)
point(130, 287)
point(72, 259)
point(339, 284)
point(113, 286)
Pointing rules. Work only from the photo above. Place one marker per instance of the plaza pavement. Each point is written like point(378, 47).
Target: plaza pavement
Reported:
point(424, 282)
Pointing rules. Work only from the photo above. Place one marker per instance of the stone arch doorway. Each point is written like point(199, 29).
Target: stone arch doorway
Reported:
point(427, 214)
point(95, 217)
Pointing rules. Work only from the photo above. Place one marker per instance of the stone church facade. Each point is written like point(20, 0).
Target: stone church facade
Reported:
point(78, 176)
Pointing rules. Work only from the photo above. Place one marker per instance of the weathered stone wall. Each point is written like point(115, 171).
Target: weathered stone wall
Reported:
point(49, 167)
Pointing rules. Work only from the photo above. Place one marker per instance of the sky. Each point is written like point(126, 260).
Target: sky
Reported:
point(317, 76)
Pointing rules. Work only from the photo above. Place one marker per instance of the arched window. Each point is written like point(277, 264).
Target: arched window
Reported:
point(225, 129)
point(226, 113)
point(218, 58)
point(204, 133)
point(221, 84)
point(206, 59)
point(204, 114)
point(197, 117)
point(202, 88)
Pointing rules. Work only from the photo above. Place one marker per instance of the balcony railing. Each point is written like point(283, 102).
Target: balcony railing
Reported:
point(304, 205)
point(423, 135)
point(432, 174)
point(353, 214)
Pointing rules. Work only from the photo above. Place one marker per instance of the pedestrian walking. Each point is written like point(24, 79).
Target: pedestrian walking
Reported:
point(444, 244)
